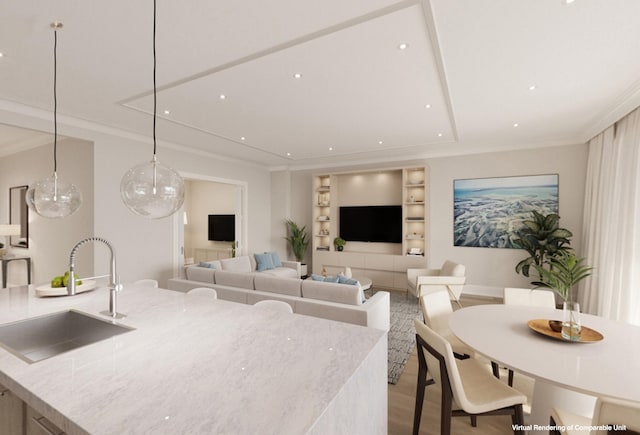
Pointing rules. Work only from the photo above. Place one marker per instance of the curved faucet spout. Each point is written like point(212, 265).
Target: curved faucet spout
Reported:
point(114, 280)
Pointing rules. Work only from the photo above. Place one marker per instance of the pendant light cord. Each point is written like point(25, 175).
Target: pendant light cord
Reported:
point(55, 101)
point(154, 80)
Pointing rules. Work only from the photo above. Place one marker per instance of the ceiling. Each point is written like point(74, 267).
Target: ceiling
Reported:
point(475, 76)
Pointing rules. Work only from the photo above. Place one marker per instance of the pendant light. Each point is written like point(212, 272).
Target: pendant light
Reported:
point(51, 197)
point(150, 189)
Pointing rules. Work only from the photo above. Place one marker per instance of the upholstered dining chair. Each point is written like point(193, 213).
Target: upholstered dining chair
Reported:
point(436, 310)
point(450, 277)
point(280, 306)
point(147, 282)
point(466, 382)
point(607, 412)
point(528, 297)
point(203, 291)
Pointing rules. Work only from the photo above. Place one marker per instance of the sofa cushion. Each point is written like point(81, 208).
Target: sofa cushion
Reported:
point(449, 268)
point(201, 274)
point(283, 272)
point(332, 292)
point(237, 264)
point(234, 279)
point(275, 259)
point(273, 284)
point(264, 262)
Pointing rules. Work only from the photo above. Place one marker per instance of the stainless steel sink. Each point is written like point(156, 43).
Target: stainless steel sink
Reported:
point(50, 335)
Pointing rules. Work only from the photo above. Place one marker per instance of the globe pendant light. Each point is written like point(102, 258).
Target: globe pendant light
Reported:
point(51, 197)
point(151, 189)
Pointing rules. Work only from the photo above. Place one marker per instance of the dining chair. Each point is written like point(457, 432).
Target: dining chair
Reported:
point(436, 311)
point(466, 382)
point(203, 291)
point(606, 413)
point(527, 297)
point(450, 277)
point(147, 282)
point(280, 306)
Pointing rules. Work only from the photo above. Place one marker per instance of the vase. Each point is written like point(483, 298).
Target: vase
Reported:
point(571, 321)
point(347, 272)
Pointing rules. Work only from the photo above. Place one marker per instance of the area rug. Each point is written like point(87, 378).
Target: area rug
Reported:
point(402, 334)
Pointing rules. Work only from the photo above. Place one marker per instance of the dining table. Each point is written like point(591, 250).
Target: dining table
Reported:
point(568, 374)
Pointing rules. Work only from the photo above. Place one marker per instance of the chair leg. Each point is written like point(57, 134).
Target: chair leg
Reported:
point(518, 419)
point(445, 410)
point(474, 420)
point(422, 383)
point(510, 378)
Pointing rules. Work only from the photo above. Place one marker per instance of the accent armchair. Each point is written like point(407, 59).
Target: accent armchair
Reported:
point(450, 277)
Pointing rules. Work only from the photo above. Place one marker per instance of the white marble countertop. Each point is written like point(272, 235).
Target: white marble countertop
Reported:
point(192, 365)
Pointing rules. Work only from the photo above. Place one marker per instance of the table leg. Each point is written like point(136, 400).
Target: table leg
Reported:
point(4, 274)
point(28, 270)
point(547, 396)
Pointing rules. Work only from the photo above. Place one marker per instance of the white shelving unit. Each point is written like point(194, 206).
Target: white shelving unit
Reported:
point(414, 210)
point(322, 232)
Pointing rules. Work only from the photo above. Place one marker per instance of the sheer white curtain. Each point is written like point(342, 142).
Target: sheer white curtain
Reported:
point(611, 228)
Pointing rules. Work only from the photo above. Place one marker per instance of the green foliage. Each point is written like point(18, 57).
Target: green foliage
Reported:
point(297, 238)
point(339, 241)
point(565, 270)
point(542, 238)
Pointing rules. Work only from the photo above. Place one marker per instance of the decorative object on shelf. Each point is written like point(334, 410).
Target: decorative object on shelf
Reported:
point(297, 238)
point(151, 189)
point(564, 272)
point(51, 197)
point(415, 251)
point(323, 218)
point(508, 199)
point(339, 243)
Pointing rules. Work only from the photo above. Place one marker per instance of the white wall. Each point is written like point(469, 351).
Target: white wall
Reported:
point(489, 267)
point(50, 240)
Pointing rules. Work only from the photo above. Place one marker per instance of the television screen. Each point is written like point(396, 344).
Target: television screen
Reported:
point(222, 227)
point(373, 223)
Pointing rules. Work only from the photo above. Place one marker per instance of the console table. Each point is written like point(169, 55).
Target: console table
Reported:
point(5, 263)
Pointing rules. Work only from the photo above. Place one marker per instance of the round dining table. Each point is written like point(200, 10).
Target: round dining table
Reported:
point(569, 375)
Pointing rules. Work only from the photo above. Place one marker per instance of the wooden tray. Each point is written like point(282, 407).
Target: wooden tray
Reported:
point(47, 290)
point(587, 335)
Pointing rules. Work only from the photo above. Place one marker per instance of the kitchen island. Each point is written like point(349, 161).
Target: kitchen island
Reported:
point(201, 366)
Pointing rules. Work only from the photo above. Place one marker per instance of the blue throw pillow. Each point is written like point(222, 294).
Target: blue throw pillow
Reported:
point(207, 265)
point(331, 279)
point(316, 277)
point(275, 259)
point(264, 262)
point(344, 280)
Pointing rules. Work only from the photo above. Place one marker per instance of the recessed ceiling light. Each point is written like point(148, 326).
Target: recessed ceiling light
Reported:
point(167, 112)
point(242, 138)
point(223, 96)
point(380, 142)
point(330, 148)
point(403, 46)
point(439, 134)
point(288, 154)
point(532, 87)
point(567, 2)
point(427, 106)
point(297, 75)
point(1, 54)
point(516, 125)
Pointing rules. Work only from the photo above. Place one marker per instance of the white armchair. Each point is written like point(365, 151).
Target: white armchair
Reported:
point(449, 277)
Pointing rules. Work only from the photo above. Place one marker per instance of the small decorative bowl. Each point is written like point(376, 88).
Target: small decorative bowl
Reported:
point(555, 325)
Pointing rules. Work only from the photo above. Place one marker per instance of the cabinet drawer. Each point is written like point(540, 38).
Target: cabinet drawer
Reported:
point(39, 425)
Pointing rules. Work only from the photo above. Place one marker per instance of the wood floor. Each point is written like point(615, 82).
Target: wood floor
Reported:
point(402, 398)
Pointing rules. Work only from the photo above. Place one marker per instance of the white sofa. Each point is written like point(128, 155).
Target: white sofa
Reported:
point(333, 301)
point(244, 264)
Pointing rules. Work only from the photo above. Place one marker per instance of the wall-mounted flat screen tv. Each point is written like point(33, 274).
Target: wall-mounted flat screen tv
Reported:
point(372, 223)
point(222, 227)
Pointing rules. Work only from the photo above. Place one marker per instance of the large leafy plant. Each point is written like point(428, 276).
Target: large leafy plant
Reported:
point(297, 238)
point(565, 271)
point(543, 238)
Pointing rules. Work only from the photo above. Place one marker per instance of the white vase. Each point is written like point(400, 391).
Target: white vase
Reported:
point(571, 326)
point(347, 272)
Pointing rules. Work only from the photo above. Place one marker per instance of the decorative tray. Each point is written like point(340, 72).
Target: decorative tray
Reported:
point(587, 335)
point(47, 290)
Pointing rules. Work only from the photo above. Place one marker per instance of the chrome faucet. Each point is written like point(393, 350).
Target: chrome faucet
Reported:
point(114, 283)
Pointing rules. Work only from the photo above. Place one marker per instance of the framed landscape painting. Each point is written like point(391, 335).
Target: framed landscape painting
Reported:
point(488, 212)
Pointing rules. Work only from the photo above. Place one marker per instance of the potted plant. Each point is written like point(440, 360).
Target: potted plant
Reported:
point(339, 243)
point(542, 238)
point(564, 272)
point(3, 251)
point(297, 238)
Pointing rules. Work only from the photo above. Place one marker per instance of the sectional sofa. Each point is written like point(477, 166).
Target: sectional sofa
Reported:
point(328, 300)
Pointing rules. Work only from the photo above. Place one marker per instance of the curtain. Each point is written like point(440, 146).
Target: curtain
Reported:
point(611, 226)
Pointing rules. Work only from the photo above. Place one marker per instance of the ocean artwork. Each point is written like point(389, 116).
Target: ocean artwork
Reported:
point(488, 212)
